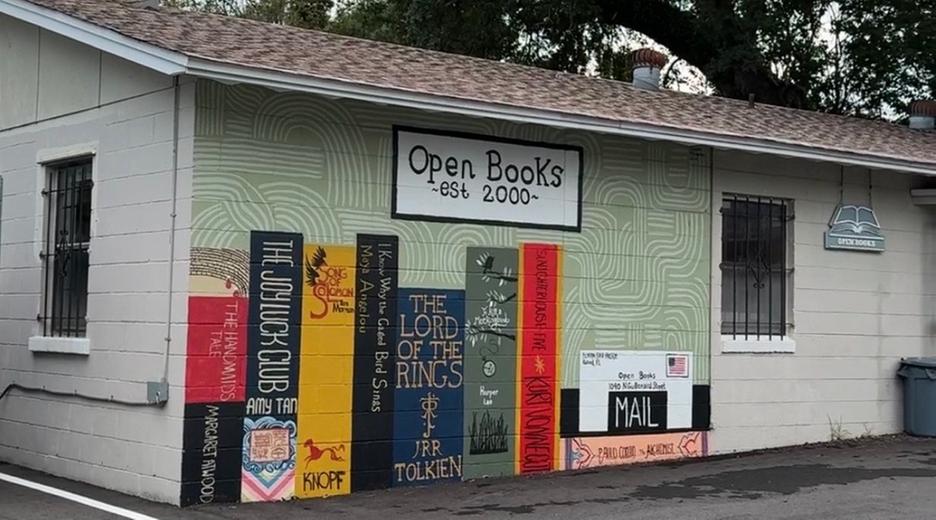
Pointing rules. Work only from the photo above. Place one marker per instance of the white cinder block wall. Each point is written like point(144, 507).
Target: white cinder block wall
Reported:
point(855, 314)
point(56, 98)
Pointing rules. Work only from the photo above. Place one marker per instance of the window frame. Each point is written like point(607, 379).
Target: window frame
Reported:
point(774, 335)
point(63, 327)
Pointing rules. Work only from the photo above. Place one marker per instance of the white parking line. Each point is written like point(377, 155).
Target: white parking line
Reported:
point(114, 510)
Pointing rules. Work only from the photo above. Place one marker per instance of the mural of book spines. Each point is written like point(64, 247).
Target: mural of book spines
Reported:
point(323, 466)
point(429, 383)
point(274, 325)
point(216, 349)
point(540, 269)
point(375, 307)
point(491, 300)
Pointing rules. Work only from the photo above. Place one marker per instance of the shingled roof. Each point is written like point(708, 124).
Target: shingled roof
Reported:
point(262, 53)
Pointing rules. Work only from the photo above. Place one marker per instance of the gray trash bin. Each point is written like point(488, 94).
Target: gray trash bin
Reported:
point(919, 375)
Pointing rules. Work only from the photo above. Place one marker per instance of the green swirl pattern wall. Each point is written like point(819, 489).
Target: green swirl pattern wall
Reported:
point(632, 294)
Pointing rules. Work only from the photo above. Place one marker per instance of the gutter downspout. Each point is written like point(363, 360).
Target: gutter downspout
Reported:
point(159, 392)
point(714, 202)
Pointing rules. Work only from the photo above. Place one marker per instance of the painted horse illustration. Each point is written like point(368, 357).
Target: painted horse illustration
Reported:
point(316, 453)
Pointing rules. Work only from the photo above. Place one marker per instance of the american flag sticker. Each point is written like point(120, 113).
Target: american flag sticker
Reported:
point(677, 365)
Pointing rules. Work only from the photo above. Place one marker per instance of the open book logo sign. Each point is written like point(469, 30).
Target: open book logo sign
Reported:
point(854, 228)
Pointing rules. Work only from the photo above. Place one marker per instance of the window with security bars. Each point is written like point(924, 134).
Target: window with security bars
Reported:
point(755, 278)
point(65, 252)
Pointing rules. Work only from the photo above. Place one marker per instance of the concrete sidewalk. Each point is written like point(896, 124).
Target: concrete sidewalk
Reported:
point(889, 477)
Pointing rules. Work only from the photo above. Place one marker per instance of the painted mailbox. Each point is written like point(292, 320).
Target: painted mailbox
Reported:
point(334, 348)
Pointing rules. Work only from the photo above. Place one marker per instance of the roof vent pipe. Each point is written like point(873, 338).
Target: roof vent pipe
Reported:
point(647, 64)
point(923, 114)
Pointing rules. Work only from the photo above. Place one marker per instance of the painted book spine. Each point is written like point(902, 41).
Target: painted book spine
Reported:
point(323, 467)
point(274, 324)
point(491, 285)
point(429, 400)
point(214, 399)
point(538, 441)
point(374, 361)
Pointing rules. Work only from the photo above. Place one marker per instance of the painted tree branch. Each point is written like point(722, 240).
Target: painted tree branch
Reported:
point(482, 331)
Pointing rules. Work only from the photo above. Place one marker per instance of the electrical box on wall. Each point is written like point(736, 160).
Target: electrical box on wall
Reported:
point(157, 392)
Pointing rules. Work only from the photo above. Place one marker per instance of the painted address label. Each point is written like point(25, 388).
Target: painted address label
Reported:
point(634, 391)
point(456, 177)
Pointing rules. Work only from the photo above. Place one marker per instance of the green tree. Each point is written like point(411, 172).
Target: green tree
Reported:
point(308, 14)
point(887, 57)
point(471, 27)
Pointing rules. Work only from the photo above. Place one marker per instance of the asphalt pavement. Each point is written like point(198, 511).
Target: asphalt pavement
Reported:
point(886, 477)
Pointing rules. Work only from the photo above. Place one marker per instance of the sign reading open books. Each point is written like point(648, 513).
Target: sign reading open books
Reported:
point(458, 177)
point(855, 228)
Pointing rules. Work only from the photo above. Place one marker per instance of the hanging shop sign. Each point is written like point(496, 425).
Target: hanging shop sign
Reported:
point(458, 177)
point(854, 227)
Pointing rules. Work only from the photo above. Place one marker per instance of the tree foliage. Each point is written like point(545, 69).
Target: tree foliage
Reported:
point(857, 57)
point(308, 14)
point(887, 57)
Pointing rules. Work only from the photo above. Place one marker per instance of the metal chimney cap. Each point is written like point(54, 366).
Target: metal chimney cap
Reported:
point(923, 115)
point(647, 57)
point(923, 108)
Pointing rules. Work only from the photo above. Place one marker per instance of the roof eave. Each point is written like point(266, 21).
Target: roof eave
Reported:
point(175, 63)
point(230, 73)
point(101, 38)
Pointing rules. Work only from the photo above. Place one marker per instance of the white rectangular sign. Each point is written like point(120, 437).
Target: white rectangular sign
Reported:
point(618, 391)
point(457, 177)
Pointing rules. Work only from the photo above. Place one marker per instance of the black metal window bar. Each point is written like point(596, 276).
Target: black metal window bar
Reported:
point(754, 266)
point(65, 255)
